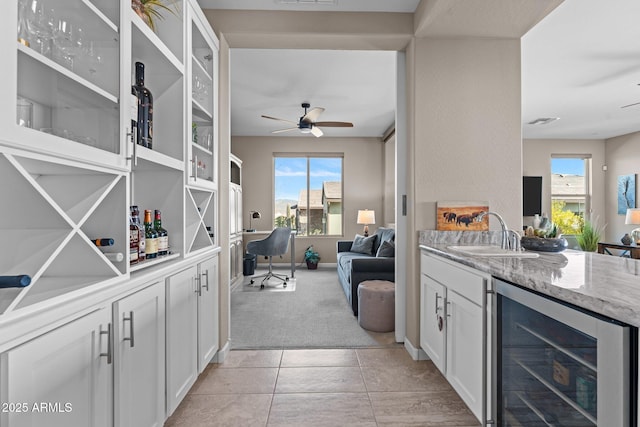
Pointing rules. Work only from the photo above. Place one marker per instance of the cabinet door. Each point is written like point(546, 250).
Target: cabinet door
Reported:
point(465, 357)
point(62, 376)
point(182, 335)
point(233, 213)
point(139, 364)
point(207, 312)
point(432, 321)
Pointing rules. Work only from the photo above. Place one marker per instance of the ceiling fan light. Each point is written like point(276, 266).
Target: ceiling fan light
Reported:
point(305, 130)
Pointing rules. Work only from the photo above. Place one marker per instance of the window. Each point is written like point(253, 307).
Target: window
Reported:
point(570, 192)
point(308, 194)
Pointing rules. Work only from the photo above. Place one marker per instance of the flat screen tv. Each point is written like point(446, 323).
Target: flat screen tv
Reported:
point(531, 195)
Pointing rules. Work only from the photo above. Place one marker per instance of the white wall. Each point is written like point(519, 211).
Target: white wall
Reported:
point(536, 161)
point(623, 158)
point(362, 187)
point(465, 136)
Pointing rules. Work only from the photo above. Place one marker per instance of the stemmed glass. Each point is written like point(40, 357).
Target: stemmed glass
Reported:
point(40, 23)
point(94, 59)
point(68, 42)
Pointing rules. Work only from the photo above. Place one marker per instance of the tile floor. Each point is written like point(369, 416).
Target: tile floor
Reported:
point(322, 387)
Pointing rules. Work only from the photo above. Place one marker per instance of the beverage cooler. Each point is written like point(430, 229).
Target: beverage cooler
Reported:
point(558, 365)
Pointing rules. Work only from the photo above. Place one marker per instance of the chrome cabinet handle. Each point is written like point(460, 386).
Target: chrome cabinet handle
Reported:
point(198, 286)
point(437, 298)
point(108, 333)
point(447, 311)
point(134, 155)
point(206, 282)
point(131, 329)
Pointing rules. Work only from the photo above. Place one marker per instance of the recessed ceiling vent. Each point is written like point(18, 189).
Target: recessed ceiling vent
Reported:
point(309, 2)
point(543, 120)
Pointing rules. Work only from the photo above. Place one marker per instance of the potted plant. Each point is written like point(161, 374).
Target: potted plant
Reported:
point(311, 257)
point(590, 235)
point(149, 10)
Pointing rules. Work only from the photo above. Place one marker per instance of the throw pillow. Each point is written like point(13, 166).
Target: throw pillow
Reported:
point(387, 249)
point(384, 234)
point(363, 245)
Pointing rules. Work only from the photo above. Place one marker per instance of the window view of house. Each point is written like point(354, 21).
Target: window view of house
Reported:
point(308, 194)
point(570, 194)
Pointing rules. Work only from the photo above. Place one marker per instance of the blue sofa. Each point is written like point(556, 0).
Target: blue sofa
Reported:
point(356, 267)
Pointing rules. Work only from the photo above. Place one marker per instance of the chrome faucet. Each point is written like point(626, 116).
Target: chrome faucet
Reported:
point(510, 239)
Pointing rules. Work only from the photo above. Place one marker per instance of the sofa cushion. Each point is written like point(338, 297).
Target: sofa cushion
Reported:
point(386, 249)
point(363, 245)
point(384, 235)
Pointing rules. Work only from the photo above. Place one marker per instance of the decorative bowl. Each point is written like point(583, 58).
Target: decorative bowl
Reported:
point(544, 244)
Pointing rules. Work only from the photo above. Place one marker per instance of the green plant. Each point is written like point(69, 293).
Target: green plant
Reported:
point(311, 256)
point(590, 235)
point(149, 10)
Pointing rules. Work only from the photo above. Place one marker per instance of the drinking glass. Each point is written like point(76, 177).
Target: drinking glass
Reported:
point(40, 23)
point(94, 59)
point(24, 112)
point(68, 42)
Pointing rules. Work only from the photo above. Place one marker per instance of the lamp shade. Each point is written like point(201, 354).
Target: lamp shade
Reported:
point(366, 217)
point(633, 216)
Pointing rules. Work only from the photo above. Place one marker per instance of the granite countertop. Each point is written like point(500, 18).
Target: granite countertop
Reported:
point(604, 284)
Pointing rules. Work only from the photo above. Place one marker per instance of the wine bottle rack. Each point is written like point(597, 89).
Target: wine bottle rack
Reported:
point(200, 214)
point(59, 208)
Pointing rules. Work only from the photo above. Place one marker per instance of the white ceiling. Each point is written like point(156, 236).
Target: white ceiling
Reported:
point(581, 64)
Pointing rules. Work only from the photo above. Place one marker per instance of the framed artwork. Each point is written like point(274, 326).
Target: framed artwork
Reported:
point(461, 216)
point(626, 193)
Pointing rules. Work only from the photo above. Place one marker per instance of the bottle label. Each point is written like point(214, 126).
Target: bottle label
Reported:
point(163, 244)
point(561, 373)
point(134, 108)
point(141, 244)
point(151, 246)
point(133, 255)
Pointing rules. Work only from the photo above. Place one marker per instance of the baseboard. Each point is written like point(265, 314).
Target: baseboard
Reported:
point(415, 353)
point(222, 354)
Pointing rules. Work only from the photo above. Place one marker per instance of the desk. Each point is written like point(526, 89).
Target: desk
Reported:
point(633, 249)
point(257, 235)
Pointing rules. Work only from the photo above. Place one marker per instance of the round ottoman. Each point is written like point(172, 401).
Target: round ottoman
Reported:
point(377, 305)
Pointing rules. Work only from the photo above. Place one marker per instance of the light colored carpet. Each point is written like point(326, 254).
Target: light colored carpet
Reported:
point(315, 315)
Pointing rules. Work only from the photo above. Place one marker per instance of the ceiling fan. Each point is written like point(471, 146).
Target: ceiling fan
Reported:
point(308, 123)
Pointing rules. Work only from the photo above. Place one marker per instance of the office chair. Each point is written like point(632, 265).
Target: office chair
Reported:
point(276, 243)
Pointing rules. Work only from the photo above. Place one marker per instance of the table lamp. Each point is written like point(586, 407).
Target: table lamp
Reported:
point(253, 215)
point(366, 217)
point(633, 217)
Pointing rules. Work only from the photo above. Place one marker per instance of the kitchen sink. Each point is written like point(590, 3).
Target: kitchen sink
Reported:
point(492, 251)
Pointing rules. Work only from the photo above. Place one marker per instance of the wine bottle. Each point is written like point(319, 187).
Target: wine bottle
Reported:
point(19, 281)
point(114, 256)
point(134, 239)
point(103, 242)
point(134, 115)
point(135, 214)
point(150, 236)
point(145, 109)
point(163, 236)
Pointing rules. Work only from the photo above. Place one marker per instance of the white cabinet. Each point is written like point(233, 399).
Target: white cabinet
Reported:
point(207, 311)
point(455, 328)
point(64, 377)
point(192, 326)
point(432, 330)
point(182, 335)
point(139, 337)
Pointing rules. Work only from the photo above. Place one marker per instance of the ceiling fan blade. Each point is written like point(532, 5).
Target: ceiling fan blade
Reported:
point(335, 124)
point(316, 132)
point(312, 115)
point(284, 130)
point(281, 120)
point(630, 105)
